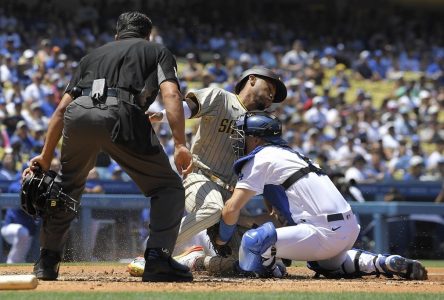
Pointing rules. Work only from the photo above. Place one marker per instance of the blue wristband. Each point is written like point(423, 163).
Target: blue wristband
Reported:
point(225, 231)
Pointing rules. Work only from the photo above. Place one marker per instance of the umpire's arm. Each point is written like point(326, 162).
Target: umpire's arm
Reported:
point(231, 212)
point(55, 128)
point(172, 99)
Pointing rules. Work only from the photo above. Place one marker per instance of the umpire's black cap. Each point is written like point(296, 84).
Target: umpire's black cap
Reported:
point(281, 90)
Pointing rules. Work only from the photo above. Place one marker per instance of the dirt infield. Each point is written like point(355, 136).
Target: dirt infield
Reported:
point(114, 278)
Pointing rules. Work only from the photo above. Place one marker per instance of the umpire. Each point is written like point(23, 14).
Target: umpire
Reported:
point(103, 110)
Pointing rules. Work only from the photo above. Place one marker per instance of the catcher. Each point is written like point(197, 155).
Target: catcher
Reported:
point(321, 227)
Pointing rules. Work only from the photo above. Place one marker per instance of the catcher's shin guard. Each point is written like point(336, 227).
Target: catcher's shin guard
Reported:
point(254, 243)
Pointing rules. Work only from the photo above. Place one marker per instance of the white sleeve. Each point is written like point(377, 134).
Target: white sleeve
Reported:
point(186, 112)
point(253, 175)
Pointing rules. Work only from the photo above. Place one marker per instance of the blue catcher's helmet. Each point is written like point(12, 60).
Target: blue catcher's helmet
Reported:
point(258, 124)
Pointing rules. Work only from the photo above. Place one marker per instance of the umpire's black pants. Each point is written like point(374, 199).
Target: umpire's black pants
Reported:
point(87, 131)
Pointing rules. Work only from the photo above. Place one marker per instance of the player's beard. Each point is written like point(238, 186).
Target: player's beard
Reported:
point(261, 103)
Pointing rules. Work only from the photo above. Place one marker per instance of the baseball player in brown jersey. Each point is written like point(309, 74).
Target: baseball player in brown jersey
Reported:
point(212, 180)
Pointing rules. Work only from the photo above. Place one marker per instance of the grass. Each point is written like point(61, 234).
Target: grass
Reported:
point(214, 295)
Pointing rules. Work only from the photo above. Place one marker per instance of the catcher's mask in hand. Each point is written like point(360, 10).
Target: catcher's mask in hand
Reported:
point(41, 196)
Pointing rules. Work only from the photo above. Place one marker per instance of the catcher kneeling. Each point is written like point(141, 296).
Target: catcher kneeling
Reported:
point(320, 225)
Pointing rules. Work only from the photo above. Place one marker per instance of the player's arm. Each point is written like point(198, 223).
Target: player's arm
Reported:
point(190, 109)
point(197, 104)
point(231, 212)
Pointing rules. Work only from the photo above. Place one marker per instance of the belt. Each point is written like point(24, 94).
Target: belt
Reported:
point(111, 92)
point(327, 218)
point(215, 179)
point(335, 217)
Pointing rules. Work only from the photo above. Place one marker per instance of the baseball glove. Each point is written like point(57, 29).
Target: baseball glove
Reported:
point(41, 196)
point(221, 250)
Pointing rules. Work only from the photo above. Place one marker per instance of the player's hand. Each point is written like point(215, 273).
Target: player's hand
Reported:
point(38, 162)
point(183, 159)
point(221, 248)
point(155, 117)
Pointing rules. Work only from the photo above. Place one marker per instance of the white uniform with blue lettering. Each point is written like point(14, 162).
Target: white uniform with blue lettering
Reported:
point(310, 234)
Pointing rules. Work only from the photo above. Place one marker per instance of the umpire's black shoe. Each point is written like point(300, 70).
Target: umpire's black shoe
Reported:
point(47, 267)
point(161, 267)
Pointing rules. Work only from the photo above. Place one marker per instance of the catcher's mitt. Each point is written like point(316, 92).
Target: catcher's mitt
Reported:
point(41, 196)
point(221, 250)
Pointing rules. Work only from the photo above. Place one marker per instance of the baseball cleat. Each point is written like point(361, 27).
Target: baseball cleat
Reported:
point(406, 268)
point(161, 267)
point(190, 257)
point(47, 267)
point(136, 267)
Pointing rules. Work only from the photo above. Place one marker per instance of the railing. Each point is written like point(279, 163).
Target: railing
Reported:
point(422, 190)
point(379, 211)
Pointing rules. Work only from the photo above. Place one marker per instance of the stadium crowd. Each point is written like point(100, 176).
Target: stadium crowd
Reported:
point(365, 98)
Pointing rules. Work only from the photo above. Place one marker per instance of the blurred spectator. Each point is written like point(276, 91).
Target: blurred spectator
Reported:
point(378, 65)
point(244, 64)
point(317, 115)
point(328, 61)
point(296, 58)
point(362, 67)
point(22, 136)
point(9, 168)
point(14, 94)
point(166, 142)
point(415, 170)
point(217, 69)
point(390, 139)
point(358, 172)
point(116, 172)
point(36, 91)
point(436, 156)
point(7, 70)
point(347, 152)
point(340, 79)
point(18, 229)
point(192, 70)
point(268, 55)
point(440, 197)
point(36, 120)
point(400, 161)
point(92, 186)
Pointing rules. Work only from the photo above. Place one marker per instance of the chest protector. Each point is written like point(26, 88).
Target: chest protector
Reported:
point(290, 180)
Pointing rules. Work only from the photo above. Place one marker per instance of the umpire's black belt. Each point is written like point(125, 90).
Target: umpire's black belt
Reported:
point(112, 92)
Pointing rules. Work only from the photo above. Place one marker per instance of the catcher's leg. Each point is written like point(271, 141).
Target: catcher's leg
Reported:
point(357, 263)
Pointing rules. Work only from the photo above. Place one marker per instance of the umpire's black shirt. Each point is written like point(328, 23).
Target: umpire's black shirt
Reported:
point(133, 64)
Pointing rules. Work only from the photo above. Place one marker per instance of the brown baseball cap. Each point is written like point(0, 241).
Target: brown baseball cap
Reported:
point(281, 90)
